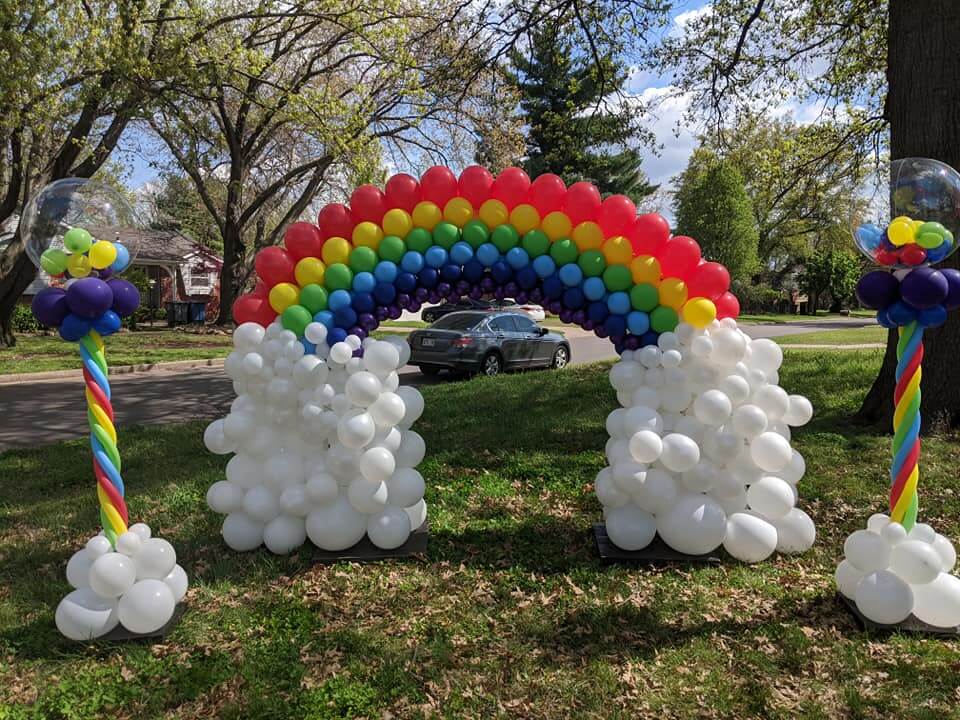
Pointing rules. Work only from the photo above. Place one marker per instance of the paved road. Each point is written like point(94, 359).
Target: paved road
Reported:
point(39, 413)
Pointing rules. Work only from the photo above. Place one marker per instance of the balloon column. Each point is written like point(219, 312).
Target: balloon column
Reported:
point(896, 566)
point(122, 576)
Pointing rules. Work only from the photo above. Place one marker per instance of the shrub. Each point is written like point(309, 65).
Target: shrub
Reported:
point(758, 298)
point(24, 321)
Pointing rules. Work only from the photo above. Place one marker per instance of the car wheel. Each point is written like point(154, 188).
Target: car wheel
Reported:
point(561, 356)
point(430, 370)
point(492, 365)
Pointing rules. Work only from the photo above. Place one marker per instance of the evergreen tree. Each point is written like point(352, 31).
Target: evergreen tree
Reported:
point(572, 130)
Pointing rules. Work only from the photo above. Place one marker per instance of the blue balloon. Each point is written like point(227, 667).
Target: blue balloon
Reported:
point(435, 257)
point(615, 325)
point(488, 254)
point(450, 272)
point(501, 272)
point(901, 314)
point(122, 260)
point(364, 282)
point(571, 275)
point(544, 266)
point(384, 293)
point(336, 335)
point(526, 278)
point(385, 271)
point(74, 327)
point(345, 317)
point(619, 303)
point(338, 299)
point(406, 282)
point(325, 318)
point(594, 288)
point(363, 302)
point(869, 236)
point(473, 271)
point(428, 278)
point(552, 287)
point(932, 317)
point(597, 311)
point(412, 261)
point(308, 347)
point(107, 324)
point(883, 318)
point(649, 338)
point(935, 255)
point(461, 252)
point(638, 322)
point(573, 298)
point(517, 258)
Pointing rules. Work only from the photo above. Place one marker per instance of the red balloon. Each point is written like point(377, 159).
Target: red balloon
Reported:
point(727, 306)
point(679, 257)
point(474, 185)
point(887, 257)
point(709, 280)
point(302, 239)
point(335, 220)
point(402, 191)
point(511, 187)
point(260, 289)
point(648, 234)
point(913, 255)
point(368, 204)
point(617, 212)
point(250, 308)
point(547, 192)
point(582, 202)
point(438, 185)
point(274, 265)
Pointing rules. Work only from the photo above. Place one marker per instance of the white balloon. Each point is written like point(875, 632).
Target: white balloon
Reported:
point(796, 532)
point(84, 615)
point(749, 538)
point(646, 397)
point(847, 578)
point(260, 504)
point(938, 602)
point(237, 428)
point(629, 475)
point(699, 478)
point(626, 375)
point(112, 574)
point(771, 452)
point(773, 400)
point(241, 532)
point(388, 409)
point(615, 424)
point(354, 342)
point(877, 522)
point(315, 332)
point(177, 582)
point(607, 491)
point(946, 551)
point(405, 488)
point(284, 534)
point(771, 497)
point(911, 560)
point(216, 440)
point(736, 388)
point(224, 497)
point(867, 551)
point(691, 427)
point(402, 347)
point(294, 501)
point(765, 355)
point(141, 529)
point(695, 525)
point(645, 446)
point(412, 449)
point(321, 488)
point(367, 497)
point(155, 559)
point(637, 418)
point(731, 502)
point(893, 533)
point(147, 606)
point(248, 336)
point(629, 527)
point(680, 453)
point(390, 528)
point(244, 471)
point(99, 545)
point(795, 468)
point(884, 598)
point(749, 421)
point(381, 358)
point(363, 388)
point(923, 533)
point(656, 493)
point(78, 568)
point(649, 356)
point(356, 430)
point(377, 464)
point(713, 407)
point(413, 402)
point(336, 526)
point(800, 411)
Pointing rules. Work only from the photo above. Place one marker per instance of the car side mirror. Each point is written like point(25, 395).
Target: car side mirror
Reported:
point(543, 331)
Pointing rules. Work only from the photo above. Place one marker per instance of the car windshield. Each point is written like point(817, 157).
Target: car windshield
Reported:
point(459, 321)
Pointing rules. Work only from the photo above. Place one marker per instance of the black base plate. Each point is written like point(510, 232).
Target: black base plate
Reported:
point(910, 625)
point(366, 551)
point(121, 634)
point(657, 552)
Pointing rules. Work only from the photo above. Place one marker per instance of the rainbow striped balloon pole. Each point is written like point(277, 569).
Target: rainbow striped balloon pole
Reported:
point(103, 438)
point(905, 470)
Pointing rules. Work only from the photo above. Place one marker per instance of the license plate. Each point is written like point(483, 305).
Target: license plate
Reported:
point(428, 342)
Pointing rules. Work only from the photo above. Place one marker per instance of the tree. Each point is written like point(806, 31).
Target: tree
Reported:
point(712, 206)
point(174, 204)
point(574, 129)
point(832, 273)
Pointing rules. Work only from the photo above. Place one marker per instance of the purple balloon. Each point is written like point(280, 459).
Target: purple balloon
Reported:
point(368, 322)
point(414, 306)
point(443, 288)
point(588, 324)
point(600, 331)
point(476, 293)
point(565, 316)
point(358, 331)
point(395, 312)
point(632, 342)
point(421, 294)
point(90, 297)
point(126, 297)
point(511, 289)
point(952, 275)
point(499, 293)
point(555, 307)
point(578, 317)
point(50, 307)
point(433, 296)
point(924, 288)
point(463, 287)
point(105, 274)
point(521, 298)
point(536, 296)
point(381, 313)
point(878, 289)
point(403, 300)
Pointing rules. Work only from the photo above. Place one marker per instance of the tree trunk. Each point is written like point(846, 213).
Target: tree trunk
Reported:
point(12, 286)
point(923, 109)
point(233, 253)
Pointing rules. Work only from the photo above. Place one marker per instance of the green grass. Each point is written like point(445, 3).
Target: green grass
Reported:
point(404, 324)
point(510, 615)
point(39, 353)
point(850, 336)
point(780, 318)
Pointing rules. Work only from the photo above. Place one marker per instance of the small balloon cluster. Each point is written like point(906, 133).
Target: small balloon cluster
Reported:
point(91, 298)
point(905, 242)
point(592, 261)
point(923, 295)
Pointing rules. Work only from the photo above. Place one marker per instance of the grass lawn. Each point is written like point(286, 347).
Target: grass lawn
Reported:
point(849, 336)
point(779, 318)
point(511, 615)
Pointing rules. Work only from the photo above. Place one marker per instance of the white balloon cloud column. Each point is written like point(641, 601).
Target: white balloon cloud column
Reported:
point(137, 585)
point(699, 452)
point(891, 573)
point(322, 442)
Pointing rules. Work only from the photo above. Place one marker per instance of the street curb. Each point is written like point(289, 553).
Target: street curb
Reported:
point(23, 378)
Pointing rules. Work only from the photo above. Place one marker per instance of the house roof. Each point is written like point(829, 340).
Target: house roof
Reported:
point(156, 247)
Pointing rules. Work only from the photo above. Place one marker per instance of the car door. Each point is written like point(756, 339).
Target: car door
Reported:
point(509, 340)
point(537, 351)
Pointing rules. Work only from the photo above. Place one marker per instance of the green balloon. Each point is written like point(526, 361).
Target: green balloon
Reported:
point(363, 259)
point(77, 240)
point(338, 277)
point(929, 240)
point(392, 248)
point(563, 251)
point(644, 297)
point(314, 298)
point(475, 233)
point(536, 243)
point(419, 240)
point(54, 261)
point(593, 263)
point(932, 227)
point(663, 319)
point(617, 277)
point(296, 318)
point(445, 235)
point(505, 237)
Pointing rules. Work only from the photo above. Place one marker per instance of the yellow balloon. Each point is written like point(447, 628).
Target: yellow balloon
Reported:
point(915, 226)
point(309, 270)
point(645, 269)
point(900, 233)
point(336, 250)
point(903, 218)
point(587, 236)
point(102, 254)
point(494, 213)
point(458, 211)
point(367, 234)
point(699, 312)
point(78, 265)
point(283, 296)
point(525, 218)
point(426, 215)
point(556, 225)
point(397, 222)
point(673, 293)
point(618, 251)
